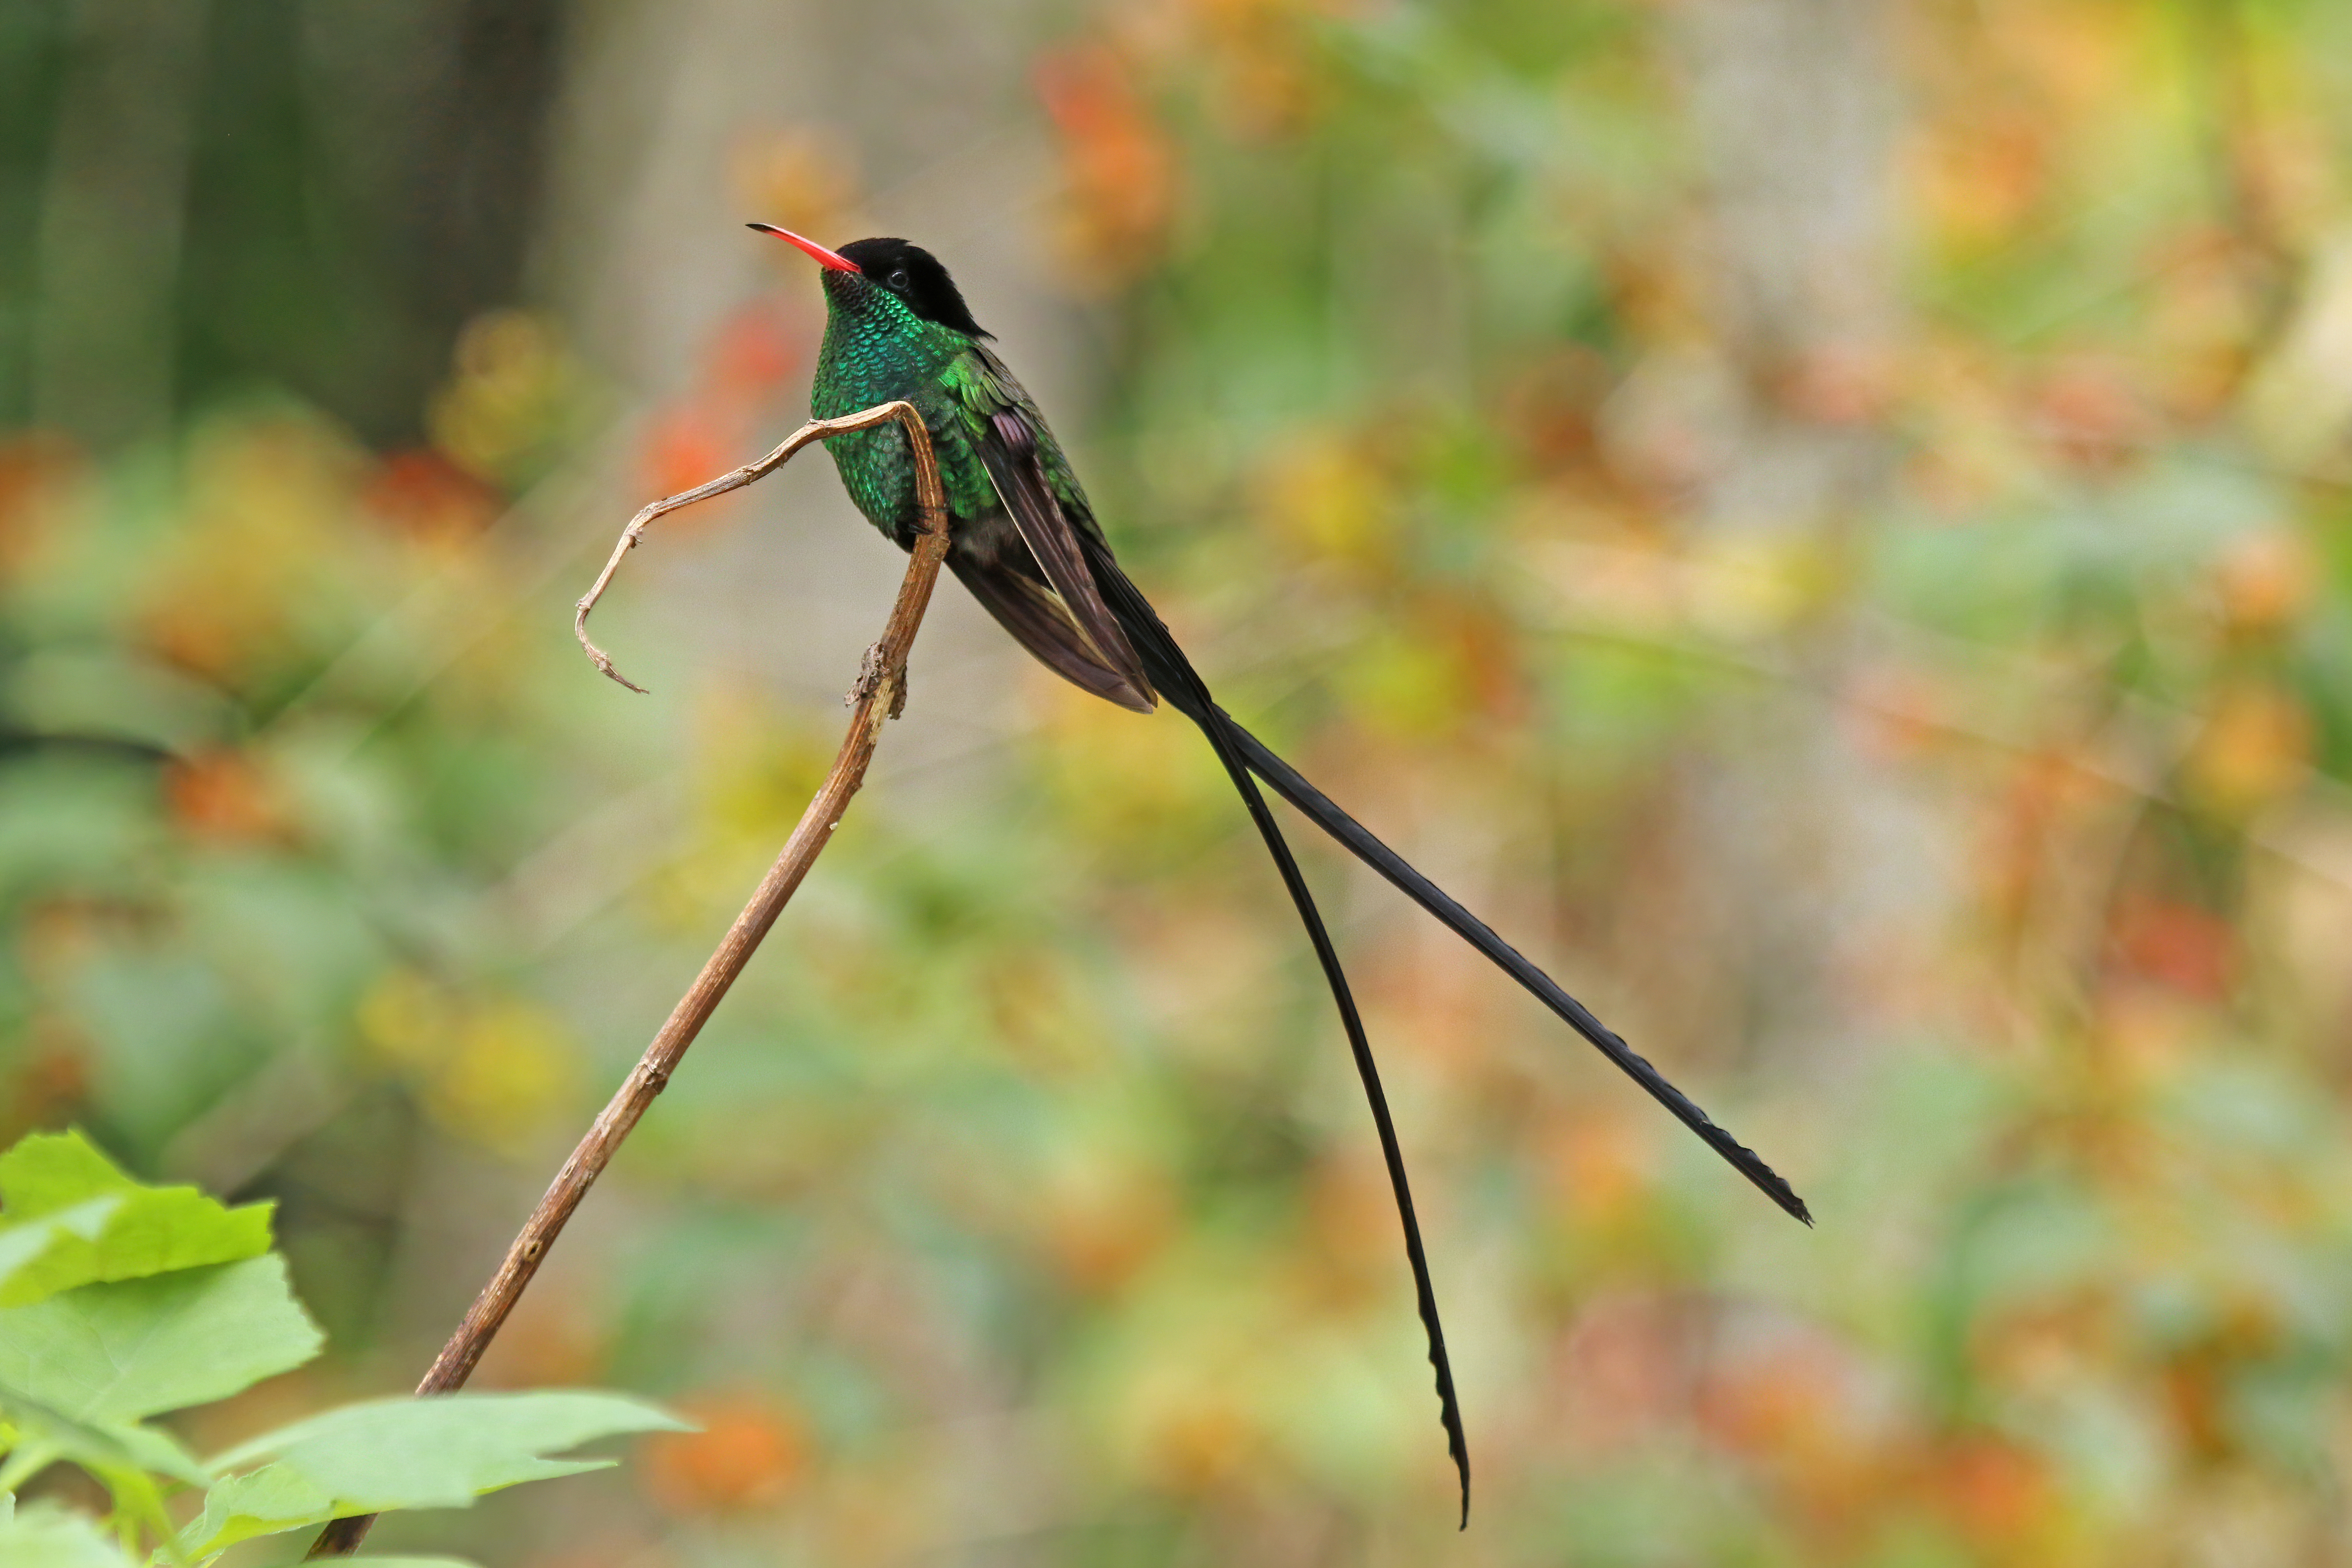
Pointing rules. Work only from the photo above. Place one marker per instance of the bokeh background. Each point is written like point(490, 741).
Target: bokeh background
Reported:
point(1830, 521)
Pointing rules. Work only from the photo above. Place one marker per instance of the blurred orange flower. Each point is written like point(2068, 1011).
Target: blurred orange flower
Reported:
point(1103, 1226)
point(1198, 1445)
point(225, 796)
point(2000, 1495)
point(2090, 412)
point(2267, 581)
point(688, 445)
point(2254, 749)
point(37, 470)
point(1262, 51)
point(1119, 172)
point(1981, 173)
point(421, 493)
point(805, 178)
point(2189, 949)
point(750, 1453)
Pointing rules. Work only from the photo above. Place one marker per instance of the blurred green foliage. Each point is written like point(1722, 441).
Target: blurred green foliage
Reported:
point(1017, 1205)
point(125, 1302)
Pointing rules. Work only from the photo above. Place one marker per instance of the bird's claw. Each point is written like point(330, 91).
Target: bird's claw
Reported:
point(869, 678)
point(872, 671)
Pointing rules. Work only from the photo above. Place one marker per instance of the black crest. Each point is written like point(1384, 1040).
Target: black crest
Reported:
point(915, 275)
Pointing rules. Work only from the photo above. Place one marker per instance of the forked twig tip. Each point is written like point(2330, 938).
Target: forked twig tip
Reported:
point(598, 657)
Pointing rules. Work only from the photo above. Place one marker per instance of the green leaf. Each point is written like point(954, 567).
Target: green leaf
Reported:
point(43, 1537)
point(50, 1171)
point(272, 1498)
point(112, 1451)
point(408, 1452)
point(112, 1353)
point(146, 1230)
point(270, 1501)
point(31, 1250)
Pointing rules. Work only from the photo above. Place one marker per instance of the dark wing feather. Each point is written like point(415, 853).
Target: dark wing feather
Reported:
point(1008, 449)
point(1039, 622)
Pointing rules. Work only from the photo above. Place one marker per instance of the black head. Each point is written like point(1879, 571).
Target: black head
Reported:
point(916, 277)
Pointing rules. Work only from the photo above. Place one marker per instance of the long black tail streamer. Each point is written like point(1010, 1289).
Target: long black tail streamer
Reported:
point(1173, 674)
point(1318, 808)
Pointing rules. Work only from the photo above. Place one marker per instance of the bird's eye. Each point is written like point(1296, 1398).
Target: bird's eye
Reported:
point(899, 279)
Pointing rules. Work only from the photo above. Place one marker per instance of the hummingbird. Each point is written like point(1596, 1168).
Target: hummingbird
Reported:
point(1025, 540)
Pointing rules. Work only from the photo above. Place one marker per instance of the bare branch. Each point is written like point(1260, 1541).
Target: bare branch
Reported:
point(880, 694)
point(815, 430)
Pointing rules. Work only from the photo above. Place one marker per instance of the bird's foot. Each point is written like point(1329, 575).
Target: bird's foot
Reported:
point(869, 681)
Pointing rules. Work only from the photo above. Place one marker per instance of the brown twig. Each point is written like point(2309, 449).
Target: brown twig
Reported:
point(879, 693)
point(926, 469)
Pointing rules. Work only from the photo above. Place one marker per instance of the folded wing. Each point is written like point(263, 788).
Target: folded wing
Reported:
point(1008, 449)
point(1039, 622)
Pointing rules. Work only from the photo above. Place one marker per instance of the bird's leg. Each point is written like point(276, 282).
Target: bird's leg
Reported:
point(869, 678)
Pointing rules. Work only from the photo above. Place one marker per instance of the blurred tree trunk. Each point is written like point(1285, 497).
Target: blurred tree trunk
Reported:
point(1798, 112)
point(676, 113)
point(270, 195)
point(1817, 861)
point(111, 213)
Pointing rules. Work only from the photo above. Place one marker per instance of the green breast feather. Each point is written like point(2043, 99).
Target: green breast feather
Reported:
point(939, 372)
